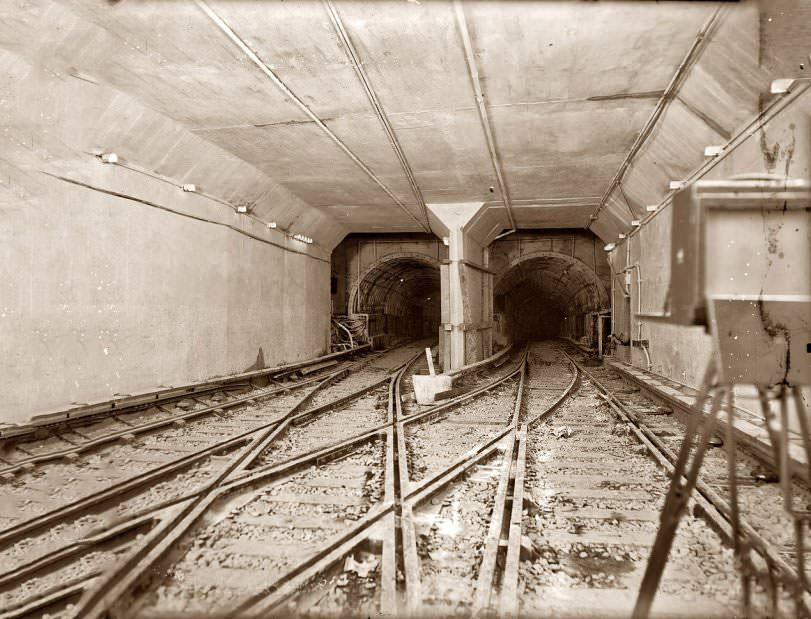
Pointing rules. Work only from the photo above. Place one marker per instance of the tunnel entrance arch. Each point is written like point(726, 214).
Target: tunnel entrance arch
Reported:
point(399, 296)
point(545, 294)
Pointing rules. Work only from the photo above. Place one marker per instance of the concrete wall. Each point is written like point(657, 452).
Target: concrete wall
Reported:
point(780, 145)
point(726, 93)
point(555, 269)
point(104, 294)
point(395, 278)
point(353, 258)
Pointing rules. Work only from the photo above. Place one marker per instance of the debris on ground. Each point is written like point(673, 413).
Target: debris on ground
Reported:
point(361, 568)
point(562, 432)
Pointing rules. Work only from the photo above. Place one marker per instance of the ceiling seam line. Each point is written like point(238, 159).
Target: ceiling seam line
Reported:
point(254, 57)
point(354, 57)
point(473, 73)
point(705, 118)
point(692, 56)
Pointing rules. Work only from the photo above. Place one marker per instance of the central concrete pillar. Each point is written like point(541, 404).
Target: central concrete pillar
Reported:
point(466, 331)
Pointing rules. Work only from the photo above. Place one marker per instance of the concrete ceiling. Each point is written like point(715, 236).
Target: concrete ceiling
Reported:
point(567, 87)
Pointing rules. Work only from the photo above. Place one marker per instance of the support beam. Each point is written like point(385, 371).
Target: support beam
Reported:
point(466, 332)
point(483, 115)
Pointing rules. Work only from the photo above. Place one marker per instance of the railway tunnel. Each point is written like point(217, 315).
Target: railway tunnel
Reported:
point(547, 296)
point(381, 308)
point(400, 297)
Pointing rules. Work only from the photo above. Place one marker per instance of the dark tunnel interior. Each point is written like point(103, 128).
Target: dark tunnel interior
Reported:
point(547, 296)
point(401, 297)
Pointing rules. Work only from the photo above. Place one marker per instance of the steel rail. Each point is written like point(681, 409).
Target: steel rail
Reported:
point(508, 600)
point(487, 568)
point(160, 423)
point(120, 405)
point(13, 533)
point(283, 588)
point(65, 593)
point(335, 550)
point(114, 583)
point(49, 518)
point(137, 520)
point(393, 541)
point(713, 506)
point(430, 485)
point(416, 493)
point(239, 478)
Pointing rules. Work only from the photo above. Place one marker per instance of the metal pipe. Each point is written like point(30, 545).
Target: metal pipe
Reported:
point(630, 305)
point(354, 58)
point(699, 43)
point(503, 234)
point(253, 57)
point(483, 115)
point(349, 333)
point(774, 108)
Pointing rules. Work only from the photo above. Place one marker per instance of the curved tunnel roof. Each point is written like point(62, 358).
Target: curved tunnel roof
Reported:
point(397, 283)
point(570, 285)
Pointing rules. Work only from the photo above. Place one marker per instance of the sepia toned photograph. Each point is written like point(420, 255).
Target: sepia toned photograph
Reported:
point(405, 308)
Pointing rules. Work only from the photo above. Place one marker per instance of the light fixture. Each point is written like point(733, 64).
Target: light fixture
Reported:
point(636, 222)
point(242, 209)
point(272, 224)
point(676, 184)
point(446, 241)
point(190, 187)
point(401, 280)
point(109, 158)
point(652, 208)
point(302, 238)
point(621, 235)
point(784, 85)
point(712, 151)
point(610, 246)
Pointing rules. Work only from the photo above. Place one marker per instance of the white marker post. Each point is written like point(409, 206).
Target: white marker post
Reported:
point(430, 358)
point(427, 386)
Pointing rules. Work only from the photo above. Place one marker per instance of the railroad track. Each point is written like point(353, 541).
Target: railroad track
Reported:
point(466, 382)
point(592, 498)
point(777, 574)
point(319, 503)
point(44, 555)
point(80, 429)
point(533, 492)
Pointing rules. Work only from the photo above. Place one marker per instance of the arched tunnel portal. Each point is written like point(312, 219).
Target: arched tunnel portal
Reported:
point(547, 294)
point(401, 295)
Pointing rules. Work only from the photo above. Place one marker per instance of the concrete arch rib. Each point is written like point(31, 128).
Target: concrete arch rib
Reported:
point(401, 294)
point(569, 283)
point(545, 294)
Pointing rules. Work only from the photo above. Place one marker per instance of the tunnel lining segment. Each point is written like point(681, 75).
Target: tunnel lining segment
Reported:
point(544, 294)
